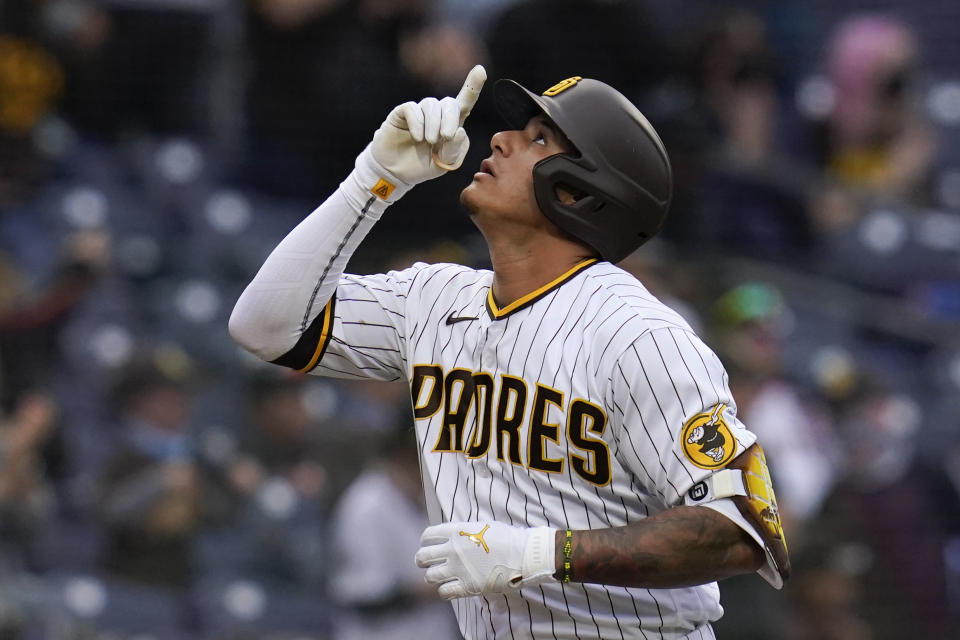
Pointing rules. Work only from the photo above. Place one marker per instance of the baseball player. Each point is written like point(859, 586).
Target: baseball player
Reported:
point(583, 464)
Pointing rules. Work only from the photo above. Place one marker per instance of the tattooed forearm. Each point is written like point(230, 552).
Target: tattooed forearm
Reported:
point(678, 547)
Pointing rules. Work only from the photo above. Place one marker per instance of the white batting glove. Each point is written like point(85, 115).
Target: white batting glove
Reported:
point(423, 140)
point(474, 558)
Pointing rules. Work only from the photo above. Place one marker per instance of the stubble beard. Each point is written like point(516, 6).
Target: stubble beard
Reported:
point(466, 203)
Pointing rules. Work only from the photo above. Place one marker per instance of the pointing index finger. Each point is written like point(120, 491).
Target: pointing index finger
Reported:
point(471, 91)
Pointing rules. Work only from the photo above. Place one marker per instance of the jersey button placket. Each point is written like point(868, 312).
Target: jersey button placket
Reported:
point(489, 332)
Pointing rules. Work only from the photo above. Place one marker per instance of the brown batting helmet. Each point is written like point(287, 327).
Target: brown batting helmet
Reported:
point(619, 170)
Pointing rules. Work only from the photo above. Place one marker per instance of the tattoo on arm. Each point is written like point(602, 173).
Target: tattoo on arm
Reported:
point(679, 547)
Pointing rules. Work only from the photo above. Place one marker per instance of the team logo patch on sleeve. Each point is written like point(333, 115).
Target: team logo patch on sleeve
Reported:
point(707, 440)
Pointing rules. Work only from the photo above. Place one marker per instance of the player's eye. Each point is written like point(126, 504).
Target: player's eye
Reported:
point(540, 138)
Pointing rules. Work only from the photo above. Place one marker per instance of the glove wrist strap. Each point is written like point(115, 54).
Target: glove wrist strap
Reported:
point(369, 180)
point(539, 562)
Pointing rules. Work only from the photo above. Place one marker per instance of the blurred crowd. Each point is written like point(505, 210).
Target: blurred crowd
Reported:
point(156, 482)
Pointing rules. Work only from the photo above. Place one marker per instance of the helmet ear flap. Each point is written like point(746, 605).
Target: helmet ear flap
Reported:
point(561, 172)
point(598, 218)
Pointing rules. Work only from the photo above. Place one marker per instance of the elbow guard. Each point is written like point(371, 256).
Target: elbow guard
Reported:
point(747, 481)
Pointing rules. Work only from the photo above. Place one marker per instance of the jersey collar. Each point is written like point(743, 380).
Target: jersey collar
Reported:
point(497, 313)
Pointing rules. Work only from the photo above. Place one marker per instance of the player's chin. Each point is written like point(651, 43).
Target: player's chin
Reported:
point(469, 198)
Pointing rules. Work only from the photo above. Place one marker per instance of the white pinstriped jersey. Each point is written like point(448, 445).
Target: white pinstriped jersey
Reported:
point(571, 408)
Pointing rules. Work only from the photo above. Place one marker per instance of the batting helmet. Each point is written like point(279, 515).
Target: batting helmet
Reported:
point(620, 166)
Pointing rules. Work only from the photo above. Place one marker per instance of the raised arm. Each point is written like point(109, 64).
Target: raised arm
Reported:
point(417, 142)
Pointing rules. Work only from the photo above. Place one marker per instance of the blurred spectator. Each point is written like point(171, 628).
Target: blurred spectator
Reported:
point(154, 495)
point(874, 139)
point(363, 412)
point(31, 78)
point(877, 151)
point(287, 43)
point(540, 42)
point(134, 65)
point(281, 439)
point(323, 76)
point(757, 192)
point(827, 595)
point(26, 497)
point(326, 62)
point(277, 469)
point(437, 56)
point(887, 524)
point(376, 528)
point(31, 318)
point(31, 85)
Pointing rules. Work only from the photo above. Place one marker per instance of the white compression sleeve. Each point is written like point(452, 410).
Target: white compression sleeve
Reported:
point(302, 272)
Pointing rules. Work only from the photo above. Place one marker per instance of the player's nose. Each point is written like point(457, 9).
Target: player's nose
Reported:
point(502, 142)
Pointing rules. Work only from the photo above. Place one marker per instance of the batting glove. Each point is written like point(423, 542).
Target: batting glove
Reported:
point(478, 558)
point(423, 140)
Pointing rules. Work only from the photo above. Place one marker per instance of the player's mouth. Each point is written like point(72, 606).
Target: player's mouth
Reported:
point(487, 167)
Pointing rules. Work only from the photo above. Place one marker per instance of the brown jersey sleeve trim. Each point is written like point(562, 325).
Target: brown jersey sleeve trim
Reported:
point(309, 349)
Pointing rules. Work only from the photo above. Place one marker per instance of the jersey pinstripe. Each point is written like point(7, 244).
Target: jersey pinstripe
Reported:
point(563, 409)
